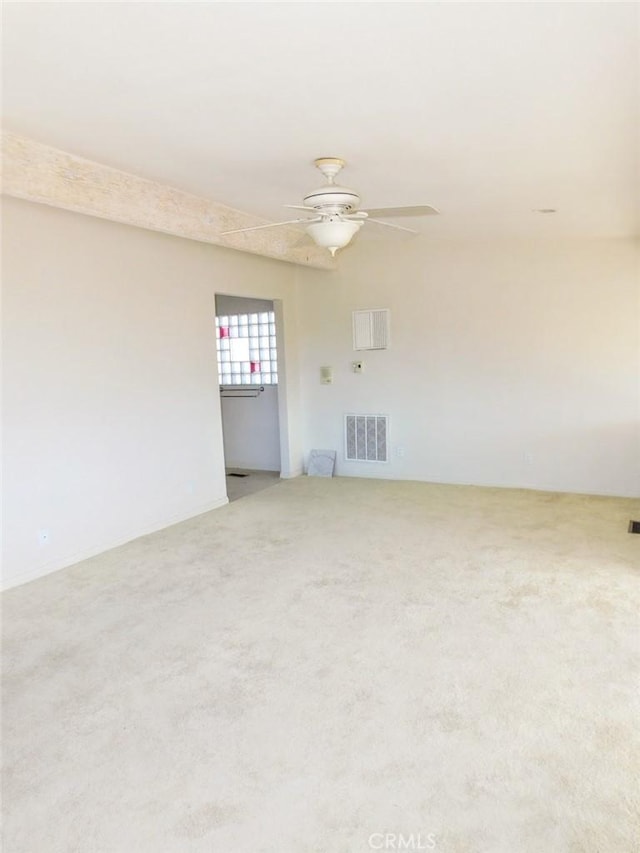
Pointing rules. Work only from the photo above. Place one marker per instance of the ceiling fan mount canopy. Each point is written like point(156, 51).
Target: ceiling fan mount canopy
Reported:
point(329, 166)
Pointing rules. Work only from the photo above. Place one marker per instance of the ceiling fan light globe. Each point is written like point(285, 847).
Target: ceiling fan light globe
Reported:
point(333, 235)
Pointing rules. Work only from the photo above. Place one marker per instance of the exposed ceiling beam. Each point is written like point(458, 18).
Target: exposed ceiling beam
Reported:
point(45, 175)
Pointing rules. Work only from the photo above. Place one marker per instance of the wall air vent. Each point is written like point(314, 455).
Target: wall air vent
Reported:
point(366, 438)
point(371, 329)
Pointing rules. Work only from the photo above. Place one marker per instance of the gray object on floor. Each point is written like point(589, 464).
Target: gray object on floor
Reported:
point(321, 463)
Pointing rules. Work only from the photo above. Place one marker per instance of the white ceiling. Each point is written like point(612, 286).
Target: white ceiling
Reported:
point(485, 110)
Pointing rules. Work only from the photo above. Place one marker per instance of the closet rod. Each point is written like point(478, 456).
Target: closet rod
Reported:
point(240, 393)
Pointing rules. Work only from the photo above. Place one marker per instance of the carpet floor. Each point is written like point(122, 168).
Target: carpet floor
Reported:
point(334, 666)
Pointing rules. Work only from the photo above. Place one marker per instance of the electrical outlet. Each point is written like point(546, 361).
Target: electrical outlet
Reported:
point(358, 366)
point(43, 537)
point(400, 451)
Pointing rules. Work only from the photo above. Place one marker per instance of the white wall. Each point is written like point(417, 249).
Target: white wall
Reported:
point(111, 408)
point(250, 430)
point(512, 364)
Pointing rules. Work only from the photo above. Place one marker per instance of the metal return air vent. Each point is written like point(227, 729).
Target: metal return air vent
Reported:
point(366, 438)
point(371, 329)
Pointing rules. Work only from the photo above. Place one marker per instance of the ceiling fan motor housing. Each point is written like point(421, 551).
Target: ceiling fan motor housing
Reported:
point(333, 199)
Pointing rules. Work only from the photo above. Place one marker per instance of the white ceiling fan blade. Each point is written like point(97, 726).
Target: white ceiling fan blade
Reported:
point(389, 225)
point(416, 210)
point(270, 225)
point(301, 207)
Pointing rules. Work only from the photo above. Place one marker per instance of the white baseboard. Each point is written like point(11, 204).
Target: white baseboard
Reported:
point(71, 559)
point(289, 475)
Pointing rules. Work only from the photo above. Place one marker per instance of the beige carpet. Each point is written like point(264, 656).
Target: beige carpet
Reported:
point(334, 666)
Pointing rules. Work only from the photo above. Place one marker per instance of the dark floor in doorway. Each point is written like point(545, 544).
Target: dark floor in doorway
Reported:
point(244, 482)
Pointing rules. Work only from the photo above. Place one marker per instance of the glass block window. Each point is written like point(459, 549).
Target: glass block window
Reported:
point(247, 352)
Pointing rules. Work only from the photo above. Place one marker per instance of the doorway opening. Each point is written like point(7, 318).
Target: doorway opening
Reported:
point(248, 371)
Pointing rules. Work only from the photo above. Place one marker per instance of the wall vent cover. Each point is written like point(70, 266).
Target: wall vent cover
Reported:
point(371, 329)
point(366, 438)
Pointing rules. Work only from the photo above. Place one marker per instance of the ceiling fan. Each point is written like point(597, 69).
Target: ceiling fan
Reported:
point(336, 216)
